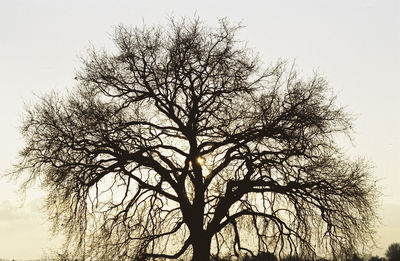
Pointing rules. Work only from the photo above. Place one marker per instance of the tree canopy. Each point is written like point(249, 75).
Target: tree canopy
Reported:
point(182, 143)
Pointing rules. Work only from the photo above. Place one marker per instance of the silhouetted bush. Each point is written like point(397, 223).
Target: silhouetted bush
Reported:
point(265, 256)
point(393, 252)
point(377, 258)
point(355, 257)
point(216, 258)
point(291, 258)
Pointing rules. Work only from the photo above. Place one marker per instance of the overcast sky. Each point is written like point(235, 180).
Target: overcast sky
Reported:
point(354, 44)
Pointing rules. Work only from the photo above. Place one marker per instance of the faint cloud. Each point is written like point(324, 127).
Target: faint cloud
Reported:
point(15, 211)
point(9, 211)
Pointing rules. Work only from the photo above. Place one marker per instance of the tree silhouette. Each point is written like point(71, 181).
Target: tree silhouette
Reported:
point(393, 252)
point(181, 142)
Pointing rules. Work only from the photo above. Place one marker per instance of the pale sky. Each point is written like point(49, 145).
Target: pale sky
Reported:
point(354, 44)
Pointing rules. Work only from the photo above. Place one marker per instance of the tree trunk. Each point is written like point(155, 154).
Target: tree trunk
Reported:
point(201, 248)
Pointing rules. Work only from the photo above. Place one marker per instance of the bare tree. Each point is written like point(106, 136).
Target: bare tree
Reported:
point(181, 143)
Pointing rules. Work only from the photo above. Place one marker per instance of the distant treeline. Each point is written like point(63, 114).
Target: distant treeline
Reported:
point(272, 257)
point(392, 254)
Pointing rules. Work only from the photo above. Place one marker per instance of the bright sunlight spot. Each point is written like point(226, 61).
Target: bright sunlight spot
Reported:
point(201, 160)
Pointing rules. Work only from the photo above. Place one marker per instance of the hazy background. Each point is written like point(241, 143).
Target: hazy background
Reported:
point(355, 44)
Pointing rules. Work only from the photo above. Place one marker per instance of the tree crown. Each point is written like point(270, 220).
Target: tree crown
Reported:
point(183, 136)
